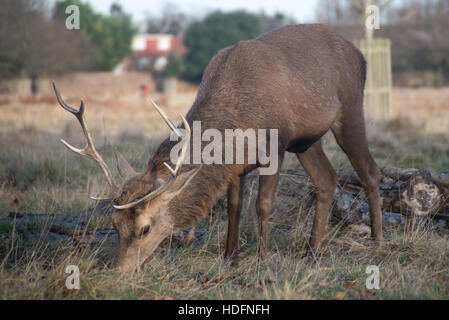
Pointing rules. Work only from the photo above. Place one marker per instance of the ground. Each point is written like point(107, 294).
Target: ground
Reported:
point(38, 175)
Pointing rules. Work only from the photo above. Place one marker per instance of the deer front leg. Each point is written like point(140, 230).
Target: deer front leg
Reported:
point(235, 195)
point(267, 187)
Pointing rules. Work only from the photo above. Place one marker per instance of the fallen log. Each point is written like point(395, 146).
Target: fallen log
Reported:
point(57, 227)
point(406, 193)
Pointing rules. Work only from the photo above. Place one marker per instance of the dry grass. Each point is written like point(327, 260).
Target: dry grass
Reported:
point(37, 174)
point(411, 266)
point(426, 108)
point(114, 106)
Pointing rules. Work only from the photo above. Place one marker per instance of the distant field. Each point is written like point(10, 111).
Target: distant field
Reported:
point(39, 175)
point(428, 108)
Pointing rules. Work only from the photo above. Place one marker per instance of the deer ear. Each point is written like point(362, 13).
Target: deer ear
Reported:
point(124, 168)
point(180, 183)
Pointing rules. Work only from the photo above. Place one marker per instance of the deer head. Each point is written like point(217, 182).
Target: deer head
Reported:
point(142, 217)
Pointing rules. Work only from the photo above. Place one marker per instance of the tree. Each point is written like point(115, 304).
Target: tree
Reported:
point(278, 20)
point(420, 40)
point(337, 12)
point(31, 45)
point(170, 21)
point(112, 34)
point(218, 30)
point(174, 66)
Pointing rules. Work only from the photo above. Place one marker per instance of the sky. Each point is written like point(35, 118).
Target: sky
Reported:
point(301, 10)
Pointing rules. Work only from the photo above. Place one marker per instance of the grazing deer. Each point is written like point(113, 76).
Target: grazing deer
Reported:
point(302, 80)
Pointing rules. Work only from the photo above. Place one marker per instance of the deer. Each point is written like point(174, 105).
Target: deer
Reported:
point(302, 80)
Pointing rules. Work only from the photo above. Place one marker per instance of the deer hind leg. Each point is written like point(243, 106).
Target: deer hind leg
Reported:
point(235, 197)
point(350, 134)
point(324, 178)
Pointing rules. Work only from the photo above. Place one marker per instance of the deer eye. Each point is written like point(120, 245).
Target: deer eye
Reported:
point(145, 230)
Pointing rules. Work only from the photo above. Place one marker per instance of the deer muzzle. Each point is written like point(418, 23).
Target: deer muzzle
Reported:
point(133, 256)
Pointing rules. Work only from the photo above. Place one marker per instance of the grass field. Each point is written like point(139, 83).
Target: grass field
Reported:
point(38, 175)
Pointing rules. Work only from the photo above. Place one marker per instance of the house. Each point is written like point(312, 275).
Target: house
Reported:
point(150, 51)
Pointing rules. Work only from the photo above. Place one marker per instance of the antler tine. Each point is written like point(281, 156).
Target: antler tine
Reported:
point(166, 119)
point(89, 150)
point(65, 105)
point(175, 130)
point(183, 150)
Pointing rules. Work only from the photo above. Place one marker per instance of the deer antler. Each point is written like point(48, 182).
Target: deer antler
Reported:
point(175, 130)
point(89, 150)
point(183, 150)
point(173, 172)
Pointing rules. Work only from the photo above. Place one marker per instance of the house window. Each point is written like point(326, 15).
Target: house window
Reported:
point(139, 43)
point(163, 44)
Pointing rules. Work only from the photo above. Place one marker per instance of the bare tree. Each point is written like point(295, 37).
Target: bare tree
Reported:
point(170, 21)
point(32, 44)
point(337, 12)
point(278, 20)
point(420, 40)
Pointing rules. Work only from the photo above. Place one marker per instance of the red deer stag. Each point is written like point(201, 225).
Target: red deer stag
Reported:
point(302, 80)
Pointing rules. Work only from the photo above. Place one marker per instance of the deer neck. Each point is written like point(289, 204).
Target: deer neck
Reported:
point(196, 201)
